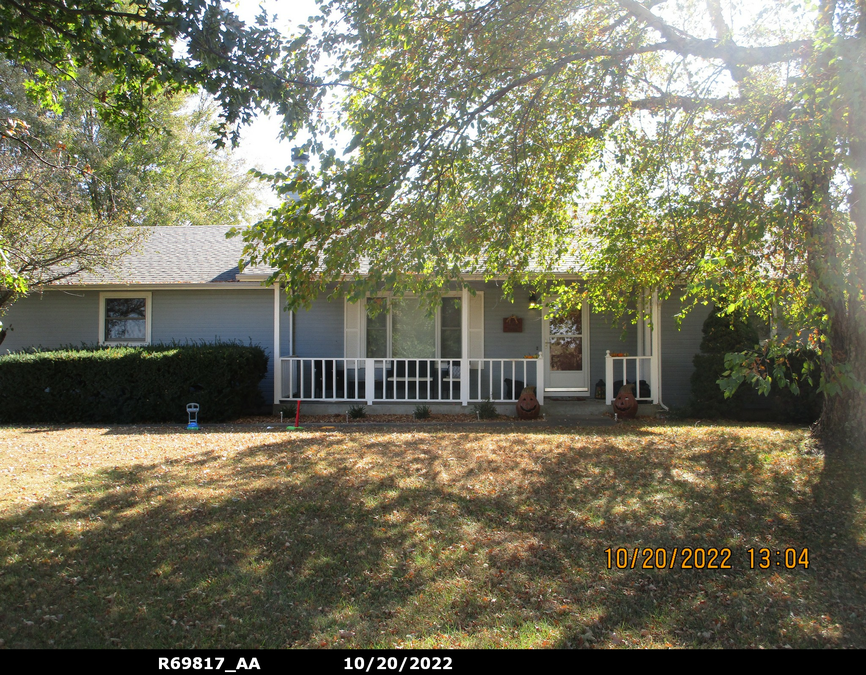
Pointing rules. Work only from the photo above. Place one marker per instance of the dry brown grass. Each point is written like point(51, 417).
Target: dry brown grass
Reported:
point(154, 537)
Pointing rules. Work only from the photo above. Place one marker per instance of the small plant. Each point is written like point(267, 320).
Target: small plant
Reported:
point(422, 412)
point(357, 412)
point(486, 410)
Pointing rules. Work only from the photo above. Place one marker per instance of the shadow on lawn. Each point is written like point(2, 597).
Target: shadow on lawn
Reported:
point(299, 542)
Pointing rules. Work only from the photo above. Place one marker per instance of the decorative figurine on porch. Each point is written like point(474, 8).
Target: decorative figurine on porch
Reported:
point(527, 404)
point(625, 404)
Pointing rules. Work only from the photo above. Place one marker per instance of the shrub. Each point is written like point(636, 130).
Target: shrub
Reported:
point(805, 407)
point(722, 334)
point(357, 412)
point(486, 410)
point(422, 412)
point(151, 383)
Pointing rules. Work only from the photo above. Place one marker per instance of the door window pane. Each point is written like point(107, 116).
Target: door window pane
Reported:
point(566, 325)
point(566, 353)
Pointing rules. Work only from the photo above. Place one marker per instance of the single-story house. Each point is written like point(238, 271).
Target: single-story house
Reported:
point(185, 285)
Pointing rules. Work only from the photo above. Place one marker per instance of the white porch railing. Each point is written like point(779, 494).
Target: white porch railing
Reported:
point(409, 380)
point(642, 371)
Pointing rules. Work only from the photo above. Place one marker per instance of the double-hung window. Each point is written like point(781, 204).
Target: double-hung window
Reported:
point(124, 318)
point(402, 328)
point(385, 327)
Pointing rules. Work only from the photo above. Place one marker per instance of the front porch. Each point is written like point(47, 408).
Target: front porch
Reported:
point(458, 382)
point(557, 360)
point(415, 381)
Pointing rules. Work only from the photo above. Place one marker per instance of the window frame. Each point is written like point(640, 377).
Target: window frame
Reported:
point(147, 296)
point(437, 325)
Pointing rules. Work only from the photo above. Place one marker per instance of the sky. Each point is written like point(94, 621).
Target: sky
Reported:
point(260, 146)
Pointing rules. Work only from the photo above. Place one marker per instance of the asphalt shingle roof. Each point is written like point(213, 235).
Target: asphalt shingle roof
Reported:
point(175, 255)
point(195, 255)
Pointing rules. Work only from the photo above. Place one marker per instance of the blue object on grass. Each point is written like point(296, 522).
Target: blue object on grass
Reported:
point(192, 411)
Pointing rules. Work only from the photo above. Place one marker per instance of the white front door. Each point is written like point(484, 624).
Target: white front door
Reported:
point(566, 350)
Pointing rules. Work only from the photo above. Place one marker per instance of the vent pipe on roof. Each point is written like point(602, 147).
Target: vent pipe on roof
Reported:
point(299, 157)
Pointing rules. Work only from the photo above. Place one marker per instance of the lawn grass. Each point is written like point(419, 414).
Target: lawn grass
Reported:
point(145, 537)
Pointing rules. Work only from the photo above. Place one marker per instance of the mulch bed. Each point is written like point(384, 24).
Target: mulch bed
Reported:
point(342, 418)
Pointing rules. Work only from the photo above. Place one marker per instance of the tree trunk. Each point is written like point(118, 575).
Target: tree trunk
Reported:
point(842, 426)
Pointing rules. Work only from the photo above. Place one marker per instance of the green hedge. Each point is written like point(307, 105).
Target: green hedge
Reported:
point(722, 334)
point(131, 384)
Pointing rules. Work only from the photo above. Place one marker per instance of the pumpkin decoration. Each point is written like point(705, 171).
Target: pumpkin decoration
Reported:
point(527, 404)
point(625, 404)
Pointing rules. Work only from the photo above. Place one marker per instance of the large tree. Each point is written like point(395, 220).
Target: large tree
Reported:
point(167, 173)
point(72, 187)
point(704, 146)
point(153, 47)
point(51, 226)
point(126, 60)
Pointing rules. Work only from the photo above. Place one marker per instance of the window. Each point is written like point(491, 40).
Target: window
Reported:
point(124, 318)
point(450, 338)
point(382, 327)
point(377, 328)
point(401, 328)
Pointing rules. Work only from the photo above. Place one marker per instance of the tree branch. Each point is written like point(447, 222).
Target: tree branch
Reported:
point(732, 54)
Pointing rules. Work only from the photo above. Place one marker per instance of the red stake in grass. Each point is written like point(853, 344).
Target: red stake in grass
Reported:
point(297, 419)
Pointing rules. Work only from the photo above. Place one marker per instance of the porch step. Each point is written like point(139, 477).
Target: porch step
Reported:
point(570, 410)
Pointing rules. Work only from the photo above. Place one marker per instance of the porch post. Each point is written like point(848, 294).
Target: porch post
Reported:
point(656, 336)
point(465, 372)
point(608, 378)
point(278, 366)
point(370, 380)
point(539, 379)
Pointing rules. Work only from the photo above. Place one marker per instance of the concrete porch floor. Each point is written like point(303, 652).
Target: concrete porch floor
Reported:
point(559, 411)
point(565, 411)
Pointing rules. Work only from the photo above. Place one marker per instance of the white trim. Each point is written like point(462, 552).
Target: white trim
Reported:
point(587, 353)
point(148, 315)
point(354, 329)
point(216, 286)
point(464, 344)
point(476, 357)
point(278, 372)
point(657, 348)
point(464, 323)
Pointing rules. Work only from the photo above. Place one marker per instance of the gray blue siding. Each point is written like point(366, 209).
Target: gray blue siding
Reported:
point(245, 316)
point(607, 334)
point(57, 318)
point(318, 330)
point(52, 319)
point(501, 345)
point(679, 345)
